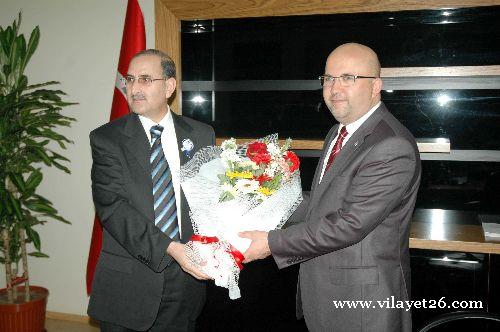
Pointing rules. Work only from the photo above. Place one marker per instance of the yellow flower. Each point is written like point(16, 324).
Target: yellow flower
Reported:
point(266, 191)
point(240, 175)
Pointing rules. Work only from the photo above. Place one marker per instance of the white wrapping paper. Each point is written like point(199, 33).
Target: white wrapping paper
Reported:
point(224, 220)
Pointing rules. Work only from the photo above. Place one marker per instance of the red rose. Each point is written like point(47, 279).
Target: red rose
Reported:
point(261, 158)
point(292, 160)
point(262, 178)
point(256, 148)
point(257, 152)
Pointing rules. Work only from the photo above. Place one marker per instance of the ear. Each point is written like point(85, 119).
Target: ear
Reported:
point(170, 86)
point(376, 87)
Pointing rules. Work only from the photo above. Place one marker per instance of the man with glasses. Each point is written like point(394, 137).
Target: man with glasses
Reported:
point(143, 279)
point(351, 235)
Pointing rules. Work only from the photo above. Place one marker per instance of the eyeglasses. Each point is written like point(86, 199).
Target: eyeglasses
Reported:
point(345, 80)
point(142, 80)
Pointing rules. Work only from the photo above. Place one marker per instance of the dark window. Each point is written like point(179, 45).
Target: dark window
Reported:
point(296, 47)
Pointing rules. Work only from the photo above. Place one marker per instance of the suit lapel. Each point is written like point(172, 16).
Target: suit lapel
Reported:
point(137, 142)
point(137, 148)
point(329, 137)
point(183, 131)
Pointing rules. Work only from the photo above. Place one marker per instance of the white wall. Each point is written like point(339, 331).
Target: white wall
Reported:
point(79, 46)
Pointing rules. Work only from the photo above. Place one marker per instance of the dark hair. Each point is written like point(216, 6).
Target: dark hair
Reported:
point(167, 64)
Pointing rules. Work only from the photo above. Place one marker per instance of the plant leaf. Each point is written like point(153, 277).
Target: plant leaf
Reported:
point(33, 236)
point(34, 180)
point(38, 254)
point(32, 46)
point(14, 202)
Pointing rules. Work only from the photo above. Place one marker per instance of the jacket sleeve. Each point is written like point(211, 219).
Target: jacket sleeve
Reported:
point(376, 189)
point(128, 226)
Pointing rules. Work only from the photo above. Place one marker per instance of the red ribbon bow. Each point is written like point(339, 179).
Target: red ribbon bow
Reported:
point(235, 253)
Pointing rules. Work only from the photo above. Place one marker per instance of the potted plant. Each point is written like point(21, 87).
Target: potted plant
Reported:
point(29, 116)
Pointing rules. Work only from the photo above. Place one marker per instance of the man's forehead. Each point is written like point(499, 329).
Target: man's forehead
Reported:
point(346, 65)
point(145, 63)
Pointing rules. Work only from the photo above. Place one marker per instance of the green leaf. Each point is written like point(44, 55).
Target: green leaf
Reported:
point(16, 205)
point(274, 184)
point(8, 36)
point(43, 155)
point(33, 236)
point(34, 180)
point(8, 205)
point(15, 24)
point(14, 58)
point(21, 47)
point(32, 45)
point(226, 196)
point(23, 82)
point(36, 86)
point(61, 219)
point(37, 206)
point(38, 254)
point(59, 157)
point(61, 167)
point(223, 178)
point(18, 181)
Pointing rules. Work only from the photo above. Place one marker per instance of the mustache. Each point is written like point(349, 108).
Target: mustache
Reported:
point(336, 97)
point(138, 96)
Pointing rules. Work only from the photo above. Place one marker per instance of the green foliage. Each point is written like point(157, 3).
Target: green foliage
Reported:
point(29, 118)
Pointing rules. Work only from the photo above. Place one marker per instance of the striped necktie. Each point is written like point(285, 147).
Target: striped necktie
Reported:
point(336, 148)
point(163, 189)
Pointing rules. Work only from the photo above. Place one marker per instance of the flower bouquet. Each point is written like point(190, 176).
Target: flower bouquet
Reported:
point(235, 188)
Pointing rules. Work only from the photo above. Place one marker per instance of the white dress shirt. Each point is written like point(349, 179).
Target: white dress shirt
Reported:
point(351, 129)
point(171, 151)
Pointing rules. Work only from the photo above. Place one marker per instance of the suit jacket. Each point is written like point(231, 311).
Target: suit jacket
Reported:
point(354, 241)
point(128, 281)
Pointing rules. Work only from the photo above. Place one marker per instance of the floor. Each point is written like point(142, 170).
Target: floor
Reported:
point(55, 325)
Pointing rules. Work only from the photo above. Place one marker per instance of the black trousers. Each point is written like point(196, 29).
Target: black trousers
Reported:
point(182, 300)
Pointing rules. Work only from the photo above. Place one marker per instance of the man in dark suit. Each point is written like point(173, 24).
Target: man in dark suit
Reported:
point(144, 281)
point(353, 243)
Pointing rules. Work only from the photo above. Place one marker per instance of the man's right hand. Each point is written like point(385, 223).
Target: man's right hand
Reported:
point(178, 252)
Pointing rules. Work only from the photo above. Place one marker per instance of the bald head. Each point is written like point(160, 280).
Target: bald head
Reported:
point(349, 101)
point(364, 56)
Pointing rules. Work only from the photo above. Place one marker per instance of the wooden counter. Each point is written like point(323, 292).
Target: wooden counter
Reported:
point(449, 230)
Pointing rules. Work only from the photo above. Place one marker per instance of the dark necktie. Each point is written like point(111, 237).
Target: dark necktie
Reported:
point(336, 148)
point(163, 188)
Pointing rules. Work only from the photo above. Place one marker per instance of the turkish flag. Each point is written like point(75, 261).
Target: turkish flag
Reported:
point(133, 41)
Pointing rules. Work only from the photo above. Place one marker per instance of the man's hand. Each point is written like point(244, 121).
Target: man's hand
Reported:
point(178, 252)
point(259, 248)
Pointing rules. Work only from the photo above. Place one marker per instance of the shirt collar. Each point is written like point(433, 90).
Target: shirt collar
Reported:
point(147, 123)
point(352, 127)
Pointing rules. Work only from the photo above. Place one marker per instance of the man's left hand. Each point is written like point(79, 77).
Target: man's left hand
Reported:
point(259, 248)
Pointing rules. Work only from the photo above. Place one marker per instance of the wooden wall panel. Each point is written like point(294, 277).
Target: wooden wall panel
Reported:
point(209, 9)
point(168, 40)
point(441, 71)
point(318, 144)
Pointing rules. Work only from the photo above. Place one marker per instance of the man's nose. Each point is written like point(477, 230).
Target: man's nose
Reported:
point(134, 87)
point(335, 86)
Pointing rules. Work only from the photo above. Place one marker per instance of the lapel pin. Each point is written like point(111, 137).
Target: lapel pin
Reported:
point(356, 144)
point(187, 147)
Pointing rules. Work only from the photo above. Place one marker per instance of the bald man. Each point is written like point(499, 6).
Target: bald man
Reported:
point(351, 235)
